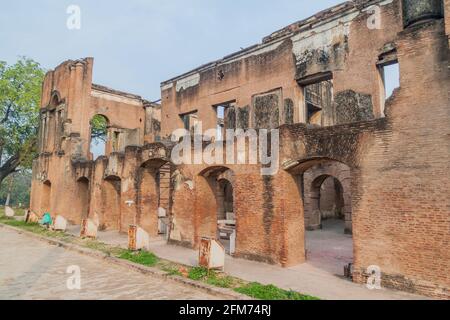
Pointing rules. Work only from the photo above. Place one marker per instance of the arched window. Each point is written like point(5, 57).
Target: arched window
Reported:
point(55, 99)
point(99, 134)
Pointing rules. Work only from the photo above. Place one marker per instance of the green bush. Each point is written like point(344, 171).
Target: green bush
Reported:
point(271, 292)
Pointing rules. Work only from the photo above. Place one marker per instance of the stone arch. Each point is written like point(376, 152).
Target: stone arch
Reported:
point(99, 144)
point(154, 196)
point(46, 197)
point(55, 99)
point(216, 189)
point(314, 178)
point(329, 248)
point(51, 126)
point(110, 213)
point(82, 198)
point(225, 199)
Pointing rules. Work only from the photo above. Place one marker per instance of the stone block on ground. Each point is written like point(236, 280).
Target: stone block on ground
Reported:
point(211, 254)
point(88, 229)
point(138, 239)
point(9, 212)
point(60, 224)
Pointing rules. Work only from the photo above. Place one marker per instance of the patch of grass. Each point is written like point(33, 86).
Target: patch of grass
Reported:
point(33, 227)
point(141, 257)
point(100, 246)
point(198, 273)
point(221, 281)
point(18, 212)
point(271, 292)
point(212, 278)
point(171, 269)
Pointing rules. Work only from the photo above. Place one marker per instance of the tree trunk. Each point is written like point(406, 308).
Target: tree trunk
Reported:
point(8, 198)
point(10, 185)
point(9, 167)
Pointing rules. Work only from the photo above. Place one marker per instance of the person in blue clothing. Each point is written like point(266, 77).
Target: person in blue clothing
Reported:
point(46, 220)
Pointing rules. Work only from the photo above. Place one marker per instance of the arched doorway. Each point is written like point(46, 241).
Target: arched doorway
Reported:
point(99, 125)
point(225, 199)
point(83, 197)
point(219, 199)
point(155, 197)
point(326, 202)
point(325, 187)
point(46, 197)
point(226, 219)
point(111, 204)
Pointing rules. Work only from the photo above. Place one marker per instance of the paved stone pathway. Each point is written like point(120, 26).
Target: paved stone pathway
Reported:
point(319, 277)
point(32, 269)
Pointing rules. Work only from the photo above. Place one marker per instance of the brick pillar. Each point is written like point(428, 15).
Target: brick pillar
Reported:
point(129, 200)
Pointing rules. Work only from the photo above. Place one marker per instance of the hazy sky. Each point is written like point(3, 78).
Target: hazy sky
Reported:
point(138, 44)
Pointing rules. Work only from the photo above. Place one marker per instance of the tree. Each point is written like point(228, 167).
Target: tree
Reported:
point(17, 186)
point(20, 94)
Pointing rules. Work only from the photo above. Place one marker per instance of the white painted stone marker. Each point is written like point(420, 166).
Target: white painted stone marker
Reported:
point(60, 223)
point(89, 229)
point(142, 239)
point(138, 238)
point(9, 212)
point(211, 254)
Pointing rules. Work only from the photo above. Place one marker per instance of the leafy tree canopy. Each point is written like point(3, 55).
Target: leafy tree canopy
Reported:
point(99, 125)
point(20, 93)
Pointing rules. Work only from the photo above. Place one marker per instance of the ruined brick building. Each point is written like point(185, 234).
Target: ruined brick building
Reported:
point(378, 165)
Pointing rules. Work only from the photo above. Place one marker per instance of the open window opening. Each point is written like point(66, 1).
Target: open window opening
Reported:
point(390, 75)
point(226, 119)
point(220, 112)
point(190, 121)
point(116, 141)
point(318, 93)
point(99, 134)
point(226, 219)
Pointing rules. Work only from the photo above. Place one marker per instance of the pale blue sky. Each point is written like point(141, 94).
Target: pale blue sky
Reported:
point(137, 44)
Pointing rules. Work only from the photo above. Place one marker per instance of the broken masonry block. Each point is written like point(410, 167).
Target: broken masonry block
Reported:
point(32, 217)
point(9, 212)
